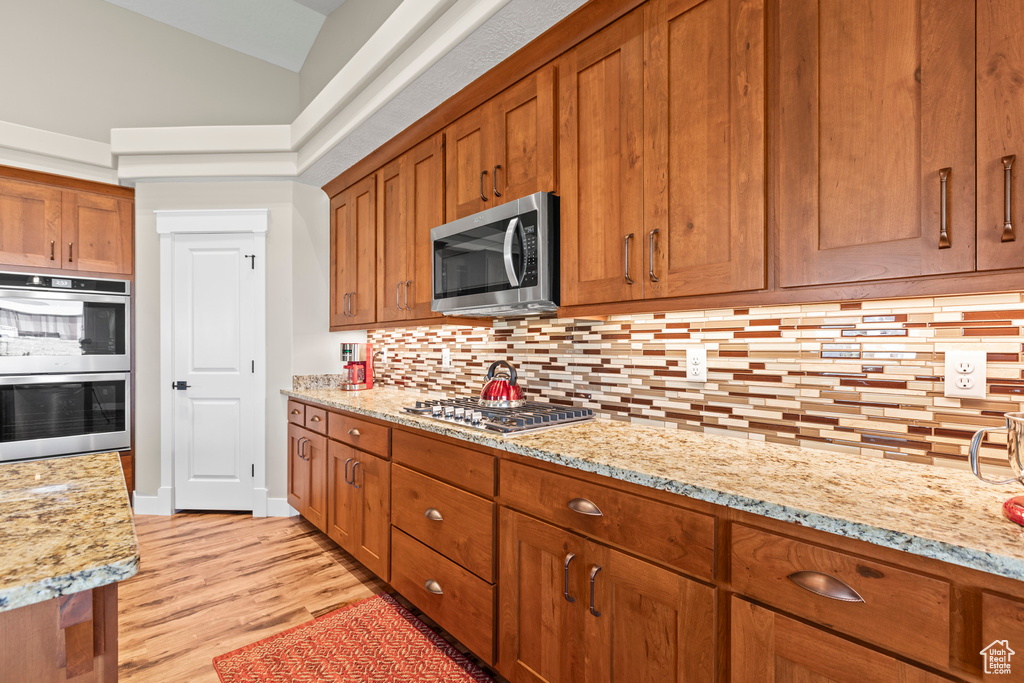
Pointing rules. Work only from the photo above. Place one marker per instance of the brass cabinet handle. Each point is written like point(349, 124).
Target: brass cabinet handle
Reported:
point(353, 432)
point(628, 238)
point(295, 411)
point(654, 278)
point(1008, 235)
point(585, 507)
point(494, 181)
point(407, 284)
point(433, 514)
point(347, 462)
point(943, 203)
point(354, 466)
point(593, 575)
point(51, 251)
point(565, 589)
point(315, 418)
point(71, 248)
point(398, 295)
point(482, 195)
point(433, 587)
point(825, 586)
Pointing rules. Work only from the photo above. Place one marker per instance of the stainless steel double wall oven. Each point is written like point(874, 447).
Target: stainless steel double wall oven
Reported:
point(65, 365)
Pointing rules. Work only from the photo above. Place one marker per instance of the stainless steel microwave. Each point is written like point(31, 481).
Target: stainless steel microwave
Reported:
point(502, 261)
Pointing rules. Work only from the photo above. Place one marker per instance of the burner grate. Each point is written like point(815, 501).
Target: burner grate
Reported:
point(532, 416)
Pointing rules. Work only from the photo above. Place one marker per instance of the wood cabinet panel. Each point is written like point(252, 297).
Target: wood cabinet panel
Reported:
point(468, 154)
point(875, 98)
point(1000, 112)
point(298, 469)
point(678, 537)
point(601, 82)
point(359, 511)
point(353, 254)
point(315, 419)
point(768, 647)
point(30, 225)
point(455, 523)
point(460, 602)
point(704, 147)
point(901, 610)
point(342, 507)
point(393, 243)
point(362, 434)
point(97, 233)
point(307, 474)
point(449, 462)
point(1002, 619)
point(296, 413)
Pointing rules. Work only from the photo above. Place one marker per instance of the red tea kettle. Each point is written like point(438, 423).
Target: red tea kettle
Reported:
point(501, 390)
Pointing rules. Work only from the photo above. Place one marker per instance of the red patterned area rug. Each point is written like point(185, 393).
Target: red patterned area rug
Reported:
point(371, 641)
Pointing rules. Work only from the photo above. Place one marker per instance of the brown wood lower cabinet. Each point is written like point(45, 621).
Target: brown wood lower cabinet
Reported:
point(359, 506)
point(307, 474)
point(574, 610)
point(769, 647)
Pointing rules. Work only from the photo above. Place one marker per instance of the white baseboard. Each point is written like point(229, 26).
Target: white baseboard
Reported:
point(260, 496)
point(279, 507)
point(160, 504)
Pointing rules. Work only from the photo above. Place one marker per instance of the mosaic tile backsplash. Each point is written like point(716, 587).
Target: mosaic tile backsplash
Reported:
point(861, 377)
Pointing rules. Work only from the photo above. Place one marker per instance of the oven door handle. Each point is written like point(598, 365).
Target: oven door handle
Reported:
point(510, 268)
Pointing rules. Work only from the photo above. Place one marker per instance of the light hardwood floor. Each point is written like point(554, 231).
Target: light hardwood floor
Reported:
point(213, 582)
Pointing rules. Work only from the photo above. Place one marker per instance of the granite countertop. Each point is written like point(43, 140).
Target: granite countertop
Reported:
point(926, 510)
point(66, 527)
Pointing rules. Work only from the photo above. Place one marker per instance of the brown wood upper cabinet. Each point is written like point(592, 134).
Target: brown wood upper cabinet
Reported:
point(411, 203)
point(353, 254)
point(504, 149)
point(664, 199)
point(1000, 107)
point(43, 227)
point(875, 130)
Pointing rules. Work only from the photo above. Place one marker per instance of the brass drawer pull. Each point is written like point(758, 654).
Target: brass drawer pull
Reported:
point(433, 587)
point(315, 418)
point(295, 411)
point(629, 280)
point(71, 247)
point(353, 432)
point(593, 575)
point(585, 507)
point(565, 590)
point(654, 278)
point(824, 585)
point(51, 251)
point(943, 203)
point(433, 514)
point(1008, 235)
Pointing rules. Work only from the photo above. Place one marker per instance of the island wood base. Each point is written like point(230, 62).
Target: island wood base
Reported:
point(70, 638)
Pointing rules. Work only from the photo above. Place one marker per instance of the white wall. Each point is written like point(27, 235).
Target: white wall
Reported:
point(82, 67)
point(297, 305)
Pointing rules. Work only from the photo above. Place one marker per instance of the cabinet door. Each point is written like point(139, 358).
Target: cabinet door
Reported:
point(875, 97)
point(523, 123)
point(371, 477)
point(651, 625)
point(316, 504)
point(298, 469)
point(1000, 92)
point(393, 246)
point(424, 209)
point(704, 147)
point(30, 217)
point(767, 647)
point(97, 233)
point(542, 593)
point(353, 254)
point(467, 153)
point(601, 164)
point(342, 496)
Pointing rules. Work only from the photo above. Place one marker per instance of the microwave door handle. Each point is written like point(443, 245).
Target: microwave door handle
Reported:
point(510, 269)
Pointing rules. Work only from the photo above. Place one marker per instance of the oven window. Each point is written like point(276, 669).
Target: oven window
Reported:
point(50, 410)
point(53, 327)
point(473, 261)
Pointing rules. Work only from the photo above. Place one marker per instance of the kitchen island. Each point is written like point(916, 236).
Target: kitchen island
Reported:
point(68, 538)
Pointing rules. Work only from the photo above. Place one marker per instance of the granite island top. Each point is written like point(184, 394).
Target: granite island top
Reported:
point(925, 510)
point(66, 527)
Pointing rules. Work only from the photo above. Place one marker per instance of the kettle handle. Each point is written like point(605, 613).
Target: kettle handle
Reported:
point(976, 440)
point(511, 371)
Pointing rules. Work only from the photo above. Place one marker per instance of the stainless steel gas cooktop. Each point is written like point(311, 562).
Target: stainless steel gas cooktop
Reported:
point(525, 419)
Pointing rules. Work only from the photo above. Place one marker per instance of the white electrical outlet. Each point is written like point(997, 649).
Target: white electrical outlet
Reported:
point(446, 357)
point(697, 364)
point(965, 374)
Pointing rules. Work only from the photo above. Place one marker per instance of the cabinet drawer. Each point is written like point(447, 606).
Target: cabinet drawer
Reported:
point(465, 606)
point(1002, 620)
point(901, 610)
point(316, 420)
point(680, 538)
point(296, 413)
point(460, 525)
point(360, 434)
point(463, 467)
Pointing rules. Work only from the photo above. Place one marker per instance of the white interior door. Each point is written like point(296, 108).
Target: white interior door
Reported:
point(213, 308)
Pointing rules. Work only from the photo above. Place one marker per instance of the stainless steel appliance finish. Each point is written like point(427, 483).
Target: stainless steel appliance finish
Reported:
point(1014, 448)
point(51, 324)
point(51, 415)
point(502, 261)
point(528, 418)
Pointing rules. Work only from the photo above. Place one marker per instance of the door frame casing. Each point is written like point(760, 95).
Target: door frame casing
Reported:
point(211, 221)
